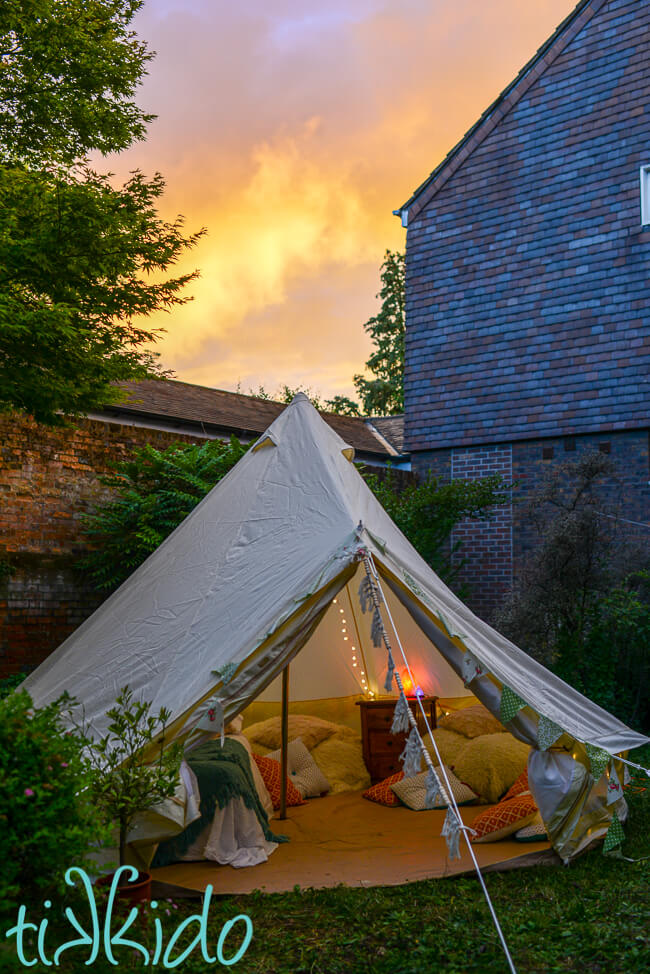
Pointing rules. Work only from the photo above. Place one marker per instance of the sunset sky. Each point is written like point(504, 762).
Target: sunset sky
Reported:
point(291, 129)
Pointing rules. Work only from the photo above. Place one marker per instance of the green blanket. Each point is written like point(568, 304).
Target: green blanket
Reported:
point(222, 773)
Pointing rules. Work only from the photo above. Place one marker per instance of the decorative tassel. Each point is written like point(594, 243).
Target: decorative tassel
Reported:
point(451, 834)
point(411, 756)
point(511, 704)
point(388, 685)
point(470, 668)
point(365, 593)
point(435, 793)
point(598, 760)
point(401, 718)
point(377, 629)
point(547, 733)
point(614, 790)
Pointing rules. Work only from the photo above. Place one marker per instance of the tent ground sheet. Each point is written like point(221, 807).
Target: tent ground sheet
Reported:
point(346, 839)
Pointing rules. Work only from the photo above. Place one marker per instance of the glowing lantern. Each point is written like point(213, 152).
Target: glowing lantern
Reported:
point(407, 683)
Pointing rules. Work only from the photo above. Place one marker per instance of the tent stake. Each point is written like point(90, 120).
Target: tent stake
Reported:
point(285, 741)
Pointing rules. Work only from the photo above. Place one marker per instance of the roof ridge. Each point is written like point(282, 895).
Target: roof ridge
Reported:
point(508, 98)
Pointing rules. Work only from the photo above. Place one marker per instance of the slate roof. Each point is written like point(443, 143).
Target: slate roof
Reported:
point(391, 428)
point(219, 411)
point(509, 97)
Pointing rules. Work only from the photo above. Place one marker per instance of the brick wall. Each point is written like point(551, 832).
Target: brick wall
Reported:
point(497, 549)
point(528, 273)
point(48, 479)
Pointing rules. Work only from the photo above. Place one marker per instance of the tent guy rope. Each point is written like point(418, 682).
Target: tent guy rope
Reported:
point(453, 822)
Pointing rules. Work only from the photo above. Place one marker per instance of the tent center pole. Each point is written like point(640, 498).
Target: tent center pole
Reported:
point(285, 742)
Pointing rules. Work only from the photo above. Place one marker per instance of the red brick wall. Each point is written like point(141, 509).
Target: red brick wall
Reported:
point(48, 479)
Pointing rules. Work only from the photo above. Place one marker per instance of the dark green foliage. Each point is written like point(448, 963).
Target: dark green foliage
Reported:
point(384, 395)
point(133, 770)
point(610, 664)
point(154, 491)
point(427, 512)
point(70, 69)
point(78, 266)
point(339, 404)
point(81, 259)
point(581, 604)
point(46, 823)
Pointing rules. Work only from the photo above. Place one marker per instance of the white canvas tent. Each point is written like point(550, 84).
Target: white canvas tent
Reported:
point(248, 581)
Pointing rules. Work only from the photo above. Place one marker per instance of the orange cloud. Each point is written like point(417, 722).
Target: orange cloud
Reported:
point(292, 131)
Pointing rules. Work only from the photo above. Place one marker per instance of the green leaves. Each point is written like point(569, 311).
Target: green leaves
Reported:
point(428, 511)
point(385, 394)
point(80, 262)
point(81, 259)
point(154, 491)
point(70, 69)
point(126, 779)
point(46, 821)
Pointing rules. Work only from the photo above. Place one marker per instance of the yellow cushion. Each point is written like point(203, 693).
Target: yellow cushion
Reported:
point(503, 819)
point(472, 722)
point(490, 764)
point(449, 745)
point(341, 761)
point(312, 731)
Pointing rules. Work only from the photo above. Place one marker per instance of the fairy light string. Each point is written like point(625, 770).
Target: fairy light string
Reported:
point(453, 821)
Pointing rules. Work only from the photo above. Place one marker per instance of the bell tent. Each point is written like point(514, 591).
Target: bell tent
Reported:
point(261, 573)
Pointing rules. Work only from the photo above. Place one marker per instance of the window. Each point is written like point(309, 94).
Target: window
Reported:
point(645, 195)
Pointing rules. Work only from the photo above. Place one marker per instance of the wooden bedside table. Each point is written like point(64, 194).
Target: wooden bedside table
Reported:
point(381, 749)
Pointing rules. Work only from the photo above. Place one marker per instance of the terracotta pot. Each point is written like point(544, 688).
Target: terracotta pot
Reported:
point(138, 891)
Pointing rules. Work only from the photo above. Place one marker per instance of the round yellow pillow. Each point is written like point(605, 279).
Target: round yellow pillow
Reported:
point(490, 764)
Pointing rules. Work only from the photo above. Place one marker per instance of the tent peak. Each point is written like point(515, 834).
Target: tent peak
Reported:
point(299, 397)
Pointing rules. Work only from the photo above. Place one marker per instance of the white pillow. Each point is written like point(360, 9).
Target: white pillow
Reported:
point(412, 791)
point(302, 769)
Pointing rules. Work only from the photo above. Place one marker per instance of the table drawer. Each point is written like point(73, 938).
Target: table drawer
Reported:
point(383, 766)
point(379, 718)
point(382, 743)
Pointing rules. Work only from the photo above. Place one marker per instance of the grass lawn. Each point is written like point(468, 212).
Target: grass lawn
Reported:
point(593, 916)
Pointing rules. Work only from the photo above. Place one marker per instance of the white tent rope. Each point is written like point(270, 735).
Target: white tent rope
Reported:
point(378, 596)
point(374, 576)
point(631, 764)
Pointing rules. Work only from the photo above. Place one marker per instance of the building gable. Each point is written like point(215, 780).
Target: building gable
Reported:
point(528, 300)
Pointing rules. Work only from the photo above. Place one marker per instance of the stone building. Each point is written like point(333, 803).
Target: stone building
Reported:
point(528, 282)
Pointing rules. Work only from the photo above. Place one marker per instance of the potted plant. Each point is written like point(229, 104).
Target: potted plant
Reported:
point(133, 770)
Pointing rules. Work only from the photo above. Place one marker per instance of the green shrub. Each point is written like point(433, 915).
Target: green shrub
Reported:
point(428, 510)
point(45, 824)
point(611, 662)
point(153, 491)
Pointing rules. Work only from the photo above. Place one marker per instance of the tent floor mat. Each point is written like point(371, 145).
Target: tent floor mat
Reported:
point(346, 839)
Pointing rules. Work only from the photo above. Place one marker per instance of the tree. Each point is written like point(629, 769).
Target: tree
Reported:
point(81, 260)
point(154, 490)
point(580, 554)
point(384, 395)
point(341, 405)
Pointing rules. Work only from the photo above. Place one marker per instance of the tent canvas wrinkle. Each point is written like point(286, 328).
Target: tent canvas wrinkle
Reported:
point(249, 578)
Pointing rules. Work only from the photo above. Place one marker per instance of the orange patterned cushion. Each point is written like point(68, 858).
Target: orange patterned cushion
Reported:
point(503, 819)
point(382, 793)
point(271, 772)
point(519, 787)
